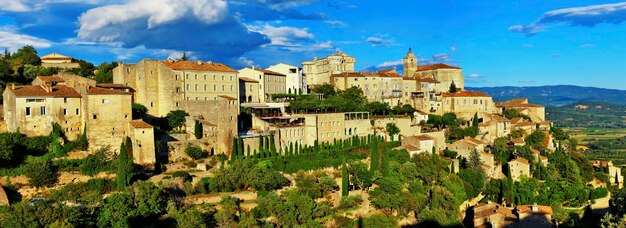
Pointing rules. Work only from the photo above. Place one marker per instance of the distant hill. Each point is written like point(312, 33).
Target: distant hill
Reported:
point(557, 95)
point(588, 114)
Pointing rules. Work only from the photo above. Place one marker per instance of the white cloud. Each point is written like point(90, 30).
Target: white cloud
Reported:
point(390, 64)
point(474, 75)
point(441, 57)
point(335, 23)
point(12, 40)
point(587, 16)
point(284, 35)
point(204, 27)
point(379, 41)
point(14, 6)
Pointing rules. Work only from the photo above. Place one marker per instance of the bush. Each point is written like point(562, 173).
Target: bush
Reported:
point(40, 173)
point(599, 193)
point(195, 152)
point(183, 175)
point(96, 162)
point(350, 202)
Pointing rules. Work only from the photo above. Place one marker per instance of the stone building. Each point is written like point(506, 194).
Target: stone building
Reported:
point(59, 61)
point(519, 167)
point(318, 71)
point(418, 144)
point(534, 215)
point(104, 113)
point(537, 113)
point(248, 90)
point(382, 87)
point(491, 214)
point(143, 143)
point(164, 86)
point(270, 82)
point(296, 81)
point(467, 103)
point(494, 126)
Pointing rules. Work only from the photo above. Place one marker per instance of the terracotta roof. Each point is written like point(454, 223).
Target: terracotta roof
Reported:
point(227, 97)
point(521, 160)
point(49, 79)
point(528, 209)
point(106, 91)
point(524, 124)
point(465, 94)
point(39, 91)
point(517, 103)
point(269, 72)
point(422, 137)
point(203, 66)
point(516, 120)
point(518, 140)
point(410, 148)
point(389, 72)
point(111, 85)
point(55, 56)
point(248, 79)
point(474, 141)
point(140, 124)
point(365, 74)
point(435, 66)
point(422, 79)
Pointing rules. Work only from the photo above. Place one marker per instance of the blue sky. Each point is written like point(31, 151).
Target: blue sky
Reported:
point(519, 43)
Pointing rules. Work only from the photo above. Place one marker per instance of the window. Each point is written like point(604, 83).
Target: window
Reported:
point(222, 77)
point(65, 111)
point(196, 87)
point(65, 100)
point(213, 77)
point(188, 87)
point(223, 87)
point(42, 110)
point(187, 76)
point(95, 116)
point(214, 87)
point(196, 77)
point(231, 87)
point(106, 101)
point(177, 77)
point(205, 77)
point(177, 104)
point(205, 87)
point(27, 111)
point(177, 89)
point(231, 77)
point(78, 111)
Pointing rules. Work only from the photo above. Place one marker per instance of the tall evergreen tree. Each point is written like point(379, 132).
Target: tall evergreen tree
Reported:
point(124, 168)
point(474, 161)
point(234, 150)
point(475, 120)
point(248, 151)
point(197, 129)
point(345, 182)
point(453, 88)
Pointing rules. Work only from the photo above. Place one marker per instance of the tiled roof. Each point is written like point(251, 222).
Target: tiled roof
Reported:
point(202, 66)
point(474, 141)
point(49, 79)
point(111, 85)
point(465, 94)
point(269, 72)
point(54, 56)
point(106, 91)
point(524, 124)
point(516, 120)
point(517, 103)
point(365, 74)
point(140, 124)
point(435, 66)
point(411, 148)
point(227, 97)
point(528, 209)
point(422, 137)
point(518, 140)
point(39, 91)
point(248, 79)
point(521, 160)
point(389, 72)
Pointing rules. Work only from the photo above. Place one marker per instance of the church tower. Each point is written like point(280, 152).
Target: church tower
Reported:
point(409, 64)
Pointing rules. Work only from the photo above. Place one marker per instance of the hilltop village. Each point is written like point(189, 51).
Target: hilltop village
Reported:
point(413, 147)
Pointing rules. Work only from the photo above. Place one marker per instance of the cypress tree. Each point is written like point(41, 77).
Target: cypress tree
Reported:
point(197, 129)
point(83, 143)
point(248, 151)
point(290, 148)
point(296, 151)
point(273, 145)
point(124, 167)
point(234, 150)
point(475, 120)
point(261, 146)
point(345, 182)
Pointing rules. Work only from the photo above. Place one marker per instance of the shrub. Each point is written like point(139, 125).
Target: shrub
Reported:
point(350, 202)
point(96, 162)
point(183, 175)
point(195, 152)
point(599, 193)
point(40, 173)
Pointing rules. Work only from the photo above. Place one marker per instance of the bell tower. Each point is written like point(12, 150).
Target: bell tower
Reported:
point(409, 63)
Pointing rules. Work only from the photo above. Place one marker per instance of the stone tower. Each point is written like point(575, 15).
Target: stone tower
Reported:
point(409, 64)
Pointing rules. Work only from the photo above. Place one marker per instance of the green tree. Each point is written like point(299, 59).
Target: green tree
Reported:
point(40, 173)
point(26, 55)
point(392, 130)
point(197, 129)
point(230, 208)
point(116, 211)
point(474, 161)
point(5, 69)
point(124, 168)
point(176, 119)
point(453, 88)
point(345, 180)
point(195, 152)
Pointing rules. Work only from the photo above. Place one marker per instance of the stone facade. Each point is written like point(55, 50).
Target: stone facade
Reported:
point(248, 90)
point(295, 81)
point(318, 71)
point(537, 113)
point(519, 167)
point(467, 103)
point(142, 135)
point(104, 113)
point(270, 82)
point(59, 61)
point(162, 86)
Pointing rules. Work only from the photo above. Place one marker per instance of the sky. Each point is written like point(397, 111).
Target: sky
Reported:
point(497, 43)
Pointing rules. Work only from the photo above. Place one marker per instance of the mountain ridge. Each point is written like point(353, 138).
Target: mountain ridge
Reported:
point(554, 95)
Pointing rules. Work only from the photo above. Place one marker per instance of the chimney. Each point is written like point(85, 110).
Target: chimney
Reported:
point(199, 62)
point(12, 86)
point(535, 208)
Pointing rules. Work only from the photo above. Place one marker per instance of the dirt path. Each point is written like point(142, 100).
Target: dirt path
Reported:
point(601, 206)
